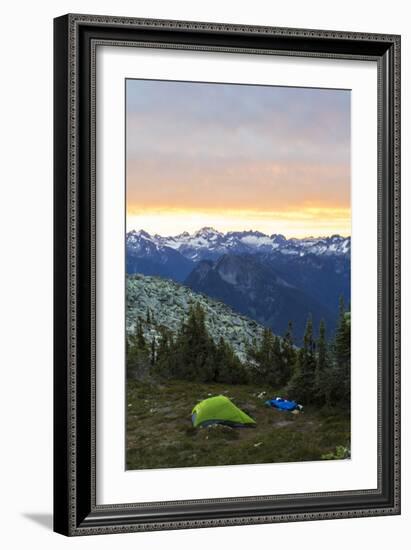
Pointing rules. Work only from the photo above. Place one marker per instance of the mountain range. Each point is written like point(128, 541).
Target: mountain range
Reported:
point(269, 278)
point(209, 244)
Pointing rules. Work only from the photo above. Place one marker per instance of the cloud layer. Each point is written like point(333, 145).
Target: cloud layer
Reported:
point(206, 148)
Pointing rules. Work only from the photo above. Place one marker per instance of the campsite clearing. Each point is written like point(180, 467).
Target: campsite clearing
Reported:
point(160, 433)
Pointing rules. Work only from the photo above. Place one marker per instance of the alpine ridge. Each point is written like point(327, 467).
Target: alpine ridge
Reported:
point(208, 243)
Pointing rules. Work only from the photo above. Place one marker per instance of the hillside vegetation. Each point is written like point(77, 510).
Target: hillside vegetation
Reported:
point(174, 333)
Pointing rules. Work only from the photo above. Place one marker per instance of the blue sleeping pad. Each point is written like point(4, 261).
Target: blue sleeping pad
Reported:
point(282, 404)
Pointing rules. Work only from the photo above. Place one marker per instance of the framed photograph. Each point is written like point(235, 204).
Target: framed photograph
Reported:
point(227, 274)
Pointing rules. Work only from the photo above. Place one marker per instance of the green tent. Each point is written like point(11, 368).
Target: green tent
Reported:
point(220, 410)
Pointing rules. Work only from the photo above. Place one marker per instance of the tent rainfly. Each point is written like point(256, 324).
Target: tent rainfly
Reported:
point(220, 410)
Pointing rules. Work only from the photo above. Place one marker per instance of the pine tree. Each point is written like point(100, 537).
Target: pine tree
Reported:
point(164, 355)
point(137, 358)
point(322, 384)
point(266, 353)
point(270, 362)
point(228, 368)
point(277, 376)
point(139, 339)
point(261, 355)
point(289, 354)
point(333, 364)
point(195, 350)
point(301, 385)
point(153, 351)
point(342, 356)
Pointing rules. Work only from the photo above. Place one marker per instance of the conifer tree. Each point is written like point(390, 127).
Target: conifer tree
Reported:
point(153, 351)
point(139, 339)
point(164, 355)
point(228, 368)
point(342, 356)
point(289, 354)
point(138, 357)
point(195, 350)
point(269, 359)
point(301, 385)
point(333, 364)
point(266, 353)
point(276, 375)
point(323, 374)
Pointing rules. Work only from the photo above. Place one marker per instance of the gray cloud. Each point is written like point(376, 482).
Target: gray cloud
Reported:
point(179, 131)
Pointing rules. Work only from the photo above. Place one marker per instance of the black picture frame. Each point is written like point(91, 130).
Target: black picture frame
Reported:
point(75, 40)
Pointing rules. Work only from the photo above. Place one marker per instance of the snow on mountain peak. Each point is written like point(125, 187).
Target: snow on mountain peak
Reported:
point(141, 233)
point(207, 232)
point(207, 242)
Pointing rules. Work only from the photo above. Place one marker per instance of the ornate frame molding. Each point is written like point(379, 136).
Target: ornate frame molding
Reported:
point(76, 40)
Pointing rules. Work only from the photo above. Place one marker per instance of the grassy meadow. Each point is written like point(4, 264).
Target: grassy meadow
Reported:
point(160, 433)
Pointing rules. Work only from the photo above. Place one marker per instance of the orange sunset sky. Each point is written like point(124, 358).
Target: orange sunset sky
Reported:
point(237, 157)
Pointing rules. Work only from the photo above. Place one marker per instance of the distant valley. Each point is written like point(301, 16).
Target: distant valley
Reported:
point(255, 289)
